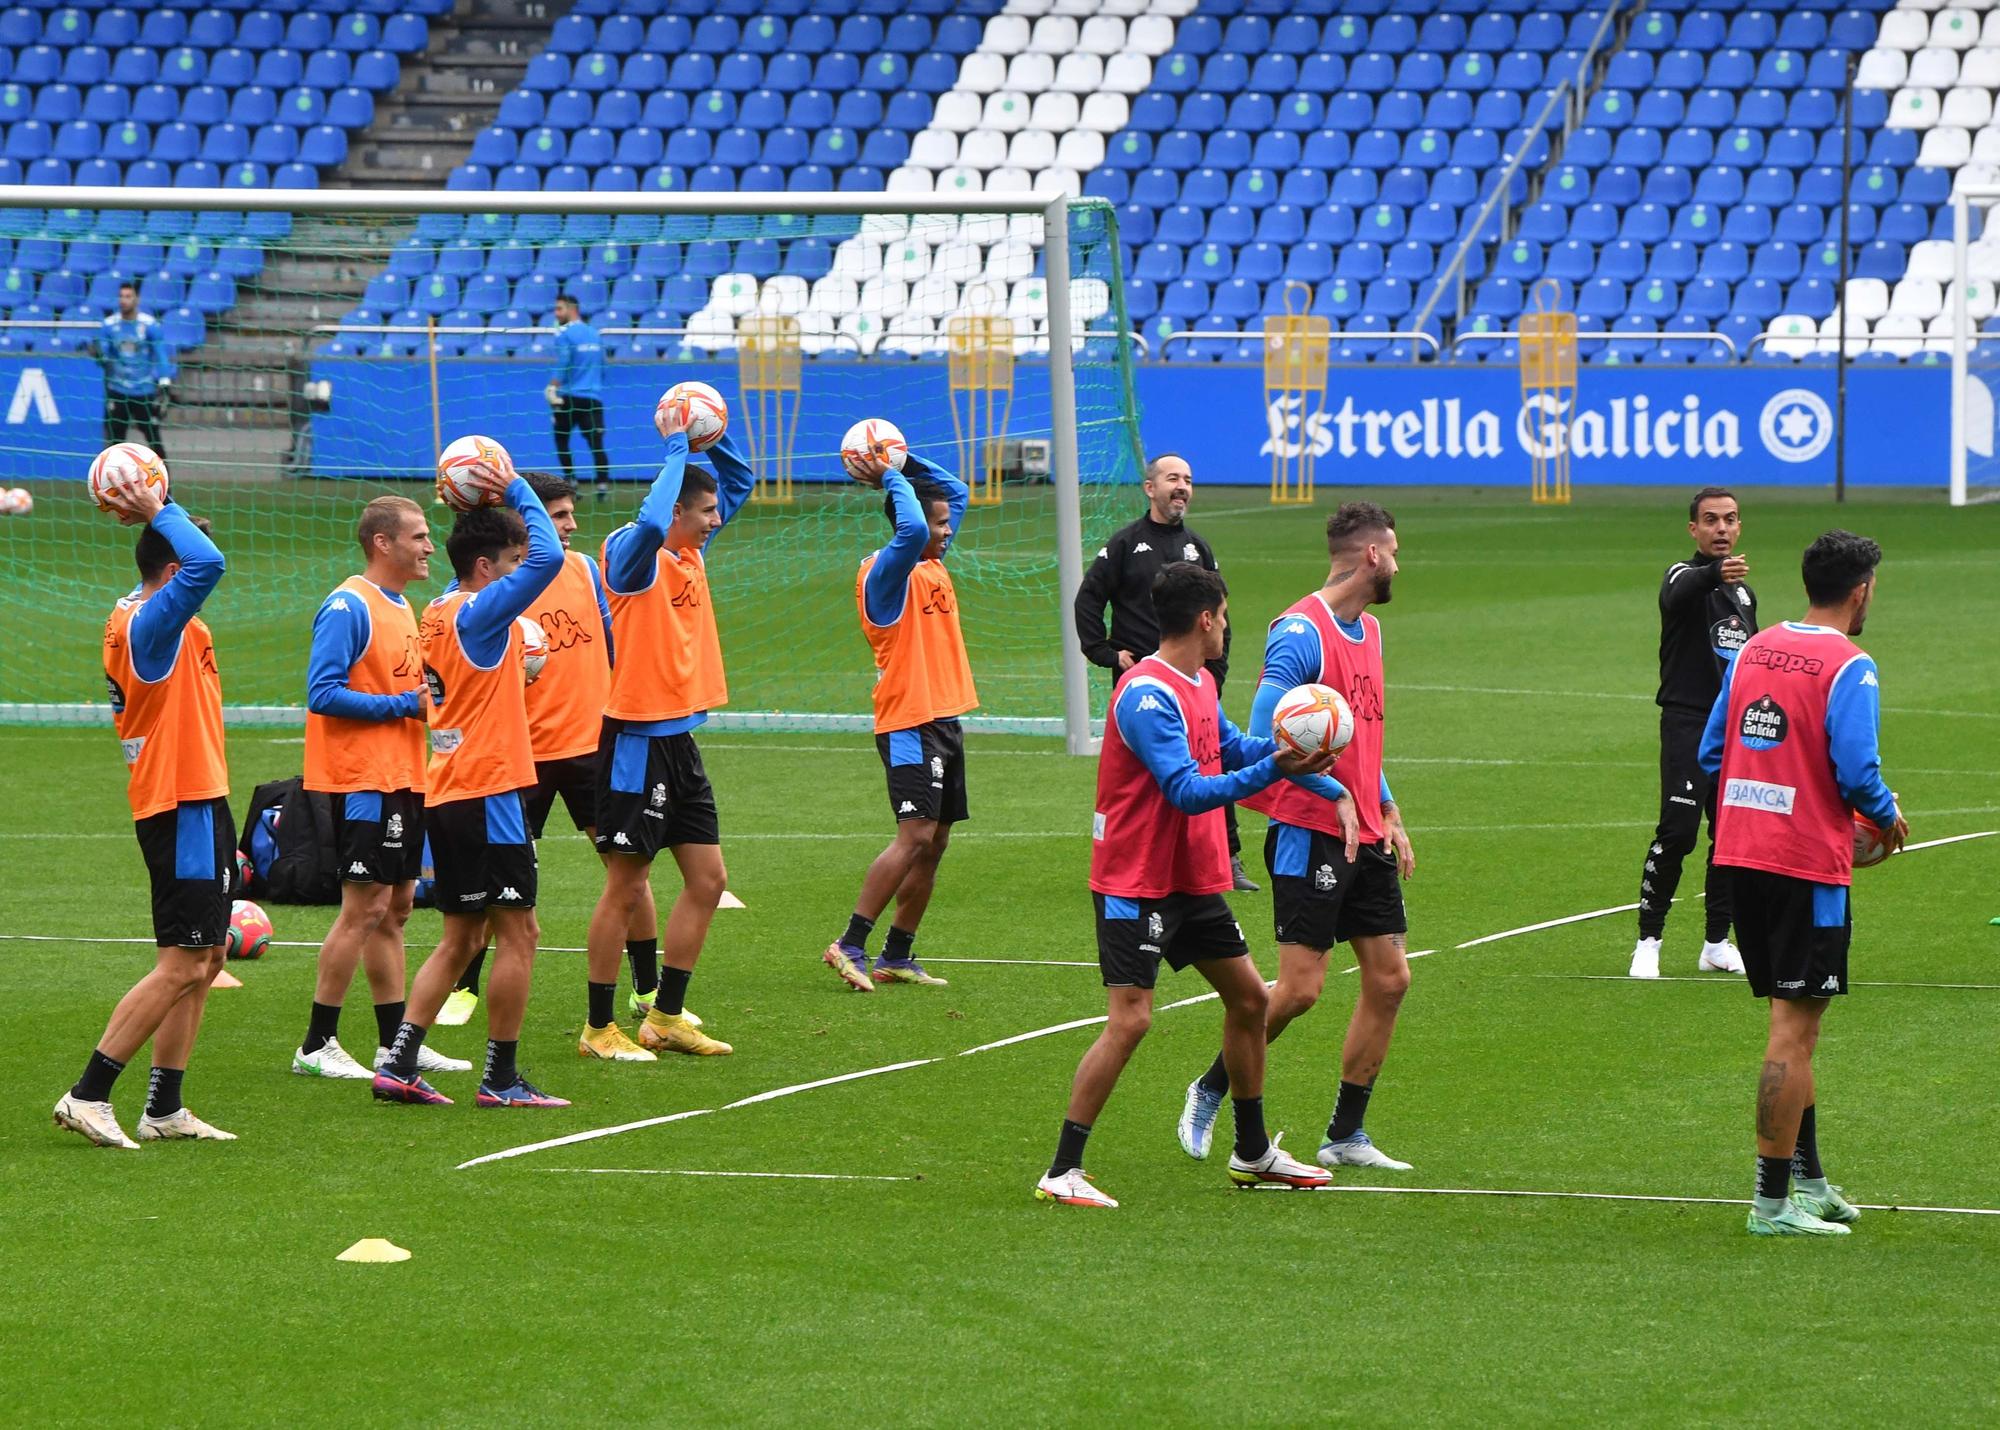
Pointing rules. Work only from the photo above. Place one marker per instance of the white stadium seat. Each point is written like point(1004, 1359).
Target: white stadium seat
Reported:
point(1982, 261)
point(1055, 112)
point(1989, 33)
point(1031, 73)
point(908, 259)
point(858, 258)
point(934, 148)
point(935, 297)
point(1089, 299)
point(961, 179)
point(981, 298)
point(1858, 330)
point(1934, 68)
point(1128, 73)
point(1006, 35)
point(863, 332)
point(983, 149)
point(1899, 333)
point(733, 293)
point(1930, 258)
point(1029, 298)
point(1981, 66)
point(1945, 147)
point(1080, 74)
point(815, 332)
point(1917, 298)
point(1007, 110)
point(1979, 298)
point(1901, 30)
point(1150, 35)
point(1059, 179)
point(1081, 149)
point(884, 297)
point(1791, 335)
point(909, 179)
point(1010, 261)
point(1913, 109)
point(1032, 149)
point(1102, 35)
point(1867, 298)
point(1105, 113)
point(1937, 335)
point(1054, 35)
point(836, 293)
point(1968, 108)
point(710, 331)
point(1955, 29)
point(983, 71)
point(1975, 174)
point(958, 110)
point(784, 294)
point(1882, 69)
point(958, 259)
point(1009, 180)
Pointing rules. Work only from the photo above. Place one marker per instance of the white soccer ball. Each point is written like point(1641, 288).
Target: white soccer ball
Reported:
point(20, 501)
point(473, 471)
point(1311, 718)
point(872, 447)
point(123, 462)
point(534, 648)
point(705, 414)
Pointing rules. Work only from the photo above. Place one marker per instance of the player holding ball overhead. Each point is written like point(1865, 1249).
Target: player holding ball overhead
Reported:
point(1793, 742)
point(1324, 891)
point(923, 683)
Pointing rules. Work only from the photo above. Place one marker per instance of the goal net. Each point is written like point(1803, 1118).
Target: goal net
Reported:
point(320, 354)
point(1975, 349)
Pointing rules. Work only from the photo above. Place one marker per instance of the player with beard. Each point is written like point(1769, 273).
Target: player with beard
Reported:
point(1322, 894)
point(1707, 612)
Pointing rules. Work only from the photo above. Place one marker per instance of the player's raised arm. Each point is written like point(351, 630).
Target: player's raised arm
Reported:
point(485, 620)
point(339, 637)
point(734, 481)
point(957, 494)
point(156, 626)
point(1853, 734)
point(603, 607)
point(631, 551)
point(889, 578)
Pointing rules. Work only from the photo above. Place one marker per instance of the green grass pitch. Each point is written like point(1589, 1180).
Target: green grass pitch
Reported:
point(197, 1284)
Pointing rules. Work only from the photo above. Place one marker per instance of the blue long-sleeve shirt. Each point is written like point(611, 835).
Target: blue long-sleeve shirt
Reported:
point(1853, 733)
point(155, 631)
point(134, 354)
point(1155, 732)
point(631, 552)
point(579, 360)
point(889, 578)
point(488, 614)
point(1292, 657)
point(340, 634)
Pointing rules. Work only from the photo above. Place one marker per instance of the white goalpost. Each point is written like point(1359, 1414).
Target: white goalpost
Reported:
point(1032, 629)
point(1975, 469)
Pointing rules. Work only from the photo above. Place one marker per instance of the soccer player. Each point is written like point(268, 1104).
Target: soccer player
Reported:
point(1707, 612)
point(365, 748)
point(138, 373)
point(1792, 741)
point(652, 792)
point(481, 761)
point(1159, 864)
point(166, 701)
point(1324, 891)
point(577, 394)
point(923, 683)
point(1122, 577)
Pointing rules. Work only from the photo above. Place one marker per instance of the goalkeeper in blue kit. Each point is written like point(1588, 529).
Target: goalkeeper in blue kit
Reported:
point(138, 371)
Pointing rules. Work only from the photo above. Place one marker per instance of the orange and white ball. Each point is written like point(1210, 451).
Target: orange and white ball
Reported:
point(473, 471)
point(17, 501)
point(534, 648)
point(872, 447)
point(1871, 845)
point(1311, 718)
point(705, 416)
point(121, 463)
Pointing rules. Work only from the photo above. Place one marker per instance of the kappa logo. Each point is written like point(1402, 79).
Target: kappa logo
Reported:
point(1659, 849)
point(1832, 984)
point(1190, 552)
point(195, 940)
point(1792, 983)
point(937, 767)
point(394, 829)
point(620, 840)
point(1868, 678)
point(1324, 878)
point(1142, 546)
point(357, 867)
point(1742, 595)
point(1297, 628)
point(1649, 867)
point(1148, 702)
point(1103, 552)
point(338, 603)
point(510, 892)
point(906, 808)
point(1156, 927)
point(659, 796)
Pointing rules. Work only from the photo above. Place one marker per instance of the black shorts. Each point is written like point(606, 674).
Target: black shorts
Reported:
point(1318, 899)
point(575, 779)
point(1133, 935)
point(1793, 934)
point(380, 837)
point(652, 793)
point(190, 853)
point(482, 855)
point(926, 768)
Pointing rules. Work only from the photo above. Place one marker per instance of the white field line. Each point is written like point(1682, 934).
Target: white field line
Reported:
point(688, 1172)
point(1636, 695)
point(1601, 1197)
point(1017, 962)
point(1549, 924)
point(1730, 980)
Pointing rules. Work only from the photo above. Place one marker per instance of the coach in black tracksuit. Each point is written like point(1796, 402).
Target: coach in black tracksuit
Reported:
point(1707, 612)
point(1122, 578)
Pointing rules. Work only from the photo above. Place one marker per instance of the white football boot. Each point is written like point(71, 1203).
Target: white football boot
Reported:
point(429, 1060)
point(1720, 958)
point(1277, 1167)
point(1645, 959)
point(180, 1125)
point(1071, 1189)
point(97, 1121)
point(331, 1060)
point(1358, 1151)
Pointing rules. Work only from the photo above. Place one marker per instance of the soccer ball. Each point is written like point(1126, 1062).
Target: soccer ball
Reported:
point(1311, 718)
point(873, 446)
point(465, 466)
point(1871, 845)
point(123, 462)
point(249, 930)
point(245, 871)
point(706, 413)
point(16, 501)
point(534, 648)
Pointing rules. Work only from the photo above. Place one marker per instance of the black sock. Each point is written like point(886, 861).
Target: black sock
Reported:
point(98, 1075)
point(500, 1070)
point(857, 933)
point(469, 980)
point(896, 947)
point(603, 1000)
point(163, 1091)
point(644, 956)
point(671, 996)
point(1251, 1140)
point(1216, 1079)
point(403, 1048)
point(1069, 1147)
point(322, 1028)
point(1774, 1177)
point(388, 1018)
point(1805, 1161)
point(1349, 1108)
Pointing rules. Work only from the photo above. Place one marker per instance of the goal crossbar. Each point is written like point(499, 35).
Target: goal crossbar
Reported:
point(1051, 205)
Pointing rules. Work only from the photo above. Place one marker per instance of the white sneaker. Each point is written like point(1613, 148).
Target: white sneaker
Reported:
point(180, 1126)
point(429, 1060)
point(1071, 1189)
point(1721, 958)
point(97, 1121)
point(1358, 1151)
point(331, 1060)
point(1276, 1166)
point(1645, 959)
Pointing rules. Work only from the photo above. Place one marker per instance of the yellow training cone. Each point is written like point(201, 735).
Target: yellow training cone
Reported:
point(374, 1248)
